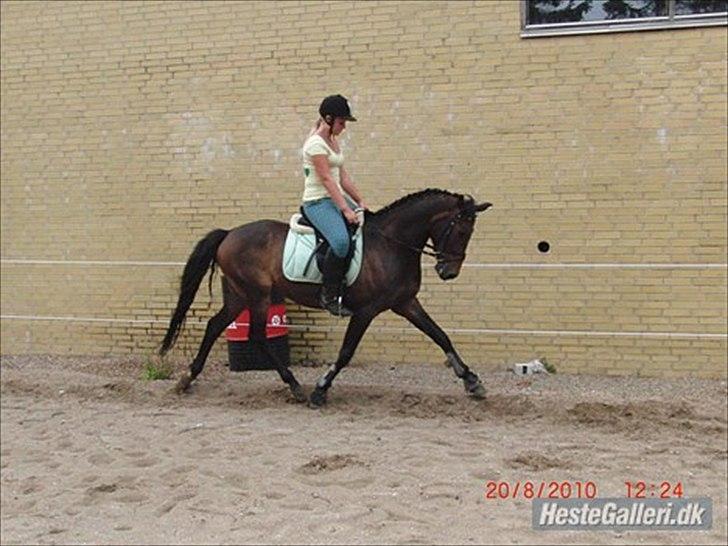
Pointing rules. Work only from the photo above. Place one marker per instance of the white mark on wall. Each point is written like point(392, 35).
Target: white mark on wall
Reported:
point(228, 150)
point(197, 143)
point(208, 150)
point(214, 148)
point(662, 136)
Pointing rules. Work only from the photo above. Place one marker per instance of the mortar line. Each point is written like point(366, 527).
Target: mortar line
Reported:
point(384, 329)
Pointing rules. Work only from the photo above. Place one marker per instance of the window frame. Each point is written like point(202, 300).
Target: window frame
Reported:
point(669, 21)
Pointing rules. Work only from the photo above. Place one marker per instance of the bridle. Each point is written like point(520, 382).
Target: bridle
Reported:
point(430, 249)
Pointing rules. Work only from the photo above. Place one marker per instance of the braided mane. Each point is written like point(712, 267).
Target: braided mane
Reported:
point(415, 196)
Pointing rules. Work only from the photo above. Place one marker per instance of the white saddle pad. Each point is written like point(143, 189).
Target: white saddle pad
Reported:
point(297, 252)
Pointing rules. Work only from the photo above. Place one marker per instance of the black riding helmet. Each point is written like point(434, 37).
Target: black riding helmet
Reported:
point(335, 106)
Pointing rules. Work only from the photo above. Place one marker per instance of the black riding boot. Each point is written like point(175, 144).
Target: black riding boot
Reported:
point(332, 292)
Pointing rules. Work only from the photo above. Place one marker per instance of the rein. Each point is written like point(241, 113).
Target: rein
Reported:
point(432, 250)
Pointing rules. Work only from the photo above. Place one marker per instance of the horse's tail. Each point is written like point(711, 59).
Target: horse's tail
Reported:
point(202, 257)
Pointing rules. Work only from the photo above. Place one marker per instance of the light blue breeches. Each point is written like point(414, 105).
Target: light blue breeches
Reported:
point(329, 220)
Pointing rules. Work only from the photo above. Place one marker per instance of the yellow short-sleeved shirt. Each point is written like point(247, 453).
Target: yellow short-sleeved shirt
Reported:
point(313, 188)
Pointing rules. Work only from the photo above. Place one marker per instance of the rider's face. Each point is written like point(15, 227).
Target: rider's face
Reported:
point(338, 126)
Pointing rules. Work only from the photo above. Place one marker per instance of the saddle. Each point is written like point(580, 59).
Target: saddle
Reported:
point(305, 249)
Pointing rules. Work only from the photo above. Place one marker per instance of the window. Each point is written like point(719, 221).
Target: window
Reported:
point(560, 17)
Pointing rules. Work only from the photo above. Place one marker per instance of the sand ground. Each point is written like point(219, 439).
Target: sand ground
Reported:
point(92, 453)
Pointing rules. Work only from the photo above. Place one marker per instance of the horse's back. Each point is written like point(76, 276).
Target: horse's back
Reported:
point(260, 228)
point(257, 244)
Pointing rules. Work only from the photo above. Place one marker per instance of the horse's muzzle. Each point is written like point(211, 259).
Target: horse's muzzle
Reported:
point(447, 271)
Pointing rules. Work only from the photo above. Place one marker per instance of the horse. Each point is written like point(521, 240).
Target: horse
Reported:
point(395, 238)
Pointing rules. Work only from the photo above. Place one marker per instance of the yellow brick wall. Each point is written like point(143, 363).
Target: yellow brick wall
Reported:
point(131, 129)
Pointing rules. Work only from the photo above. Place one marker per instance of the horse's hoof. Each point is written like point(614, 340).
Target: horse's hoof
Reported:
point(298, 394)
point(475, 390)
point(318, 398)
point(183, 384)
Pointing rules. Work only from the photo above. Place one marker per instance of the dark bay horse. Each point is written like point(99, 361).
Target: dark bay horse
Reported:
point(250, 257)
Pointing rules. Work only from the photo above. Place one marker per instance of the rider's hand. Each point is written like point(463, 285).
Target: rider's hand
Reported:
point(350, 216)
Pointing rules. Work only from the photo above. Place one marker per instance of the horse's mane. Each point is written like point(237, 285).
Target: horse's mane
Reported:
point(412, 197)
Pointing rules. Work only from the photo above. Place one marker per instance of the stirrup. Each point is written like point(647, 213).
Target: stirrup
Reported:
point(335, 306)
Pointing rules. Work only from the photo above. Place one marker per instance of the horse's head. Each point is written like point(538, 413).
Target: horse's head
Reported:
point(450, 233)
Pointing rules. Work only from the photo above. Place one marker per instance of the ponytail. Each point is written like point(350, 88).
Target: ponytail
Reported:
point(315, 127)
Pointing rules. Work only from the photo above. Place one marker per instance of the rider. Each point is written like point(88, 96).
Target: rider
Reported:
point(330, 196)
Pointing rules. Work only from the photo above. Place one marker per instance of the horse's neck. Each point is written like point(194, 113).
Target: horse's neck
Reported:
point(411, 224)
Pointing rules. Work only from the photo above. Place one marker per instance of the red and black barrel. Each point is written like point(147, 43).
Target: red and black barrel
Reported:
point(243, 355)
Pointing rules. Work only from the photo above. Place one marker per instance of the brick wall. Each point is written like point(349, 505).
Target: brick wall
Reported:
point(131, 129)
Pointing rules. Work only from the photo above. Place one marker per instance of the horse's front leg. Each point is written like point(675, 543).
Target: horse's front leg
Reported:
point(414, 312)
point(358, 324)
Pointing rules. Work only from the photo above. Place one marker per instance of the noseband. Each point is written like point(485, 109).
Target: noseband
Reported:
point(441, 255)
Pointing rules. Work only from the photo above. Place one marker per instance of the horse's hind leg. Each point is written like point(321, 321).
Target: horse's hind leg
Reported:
point(215, 326)
point(258, 319)
point(354, 332)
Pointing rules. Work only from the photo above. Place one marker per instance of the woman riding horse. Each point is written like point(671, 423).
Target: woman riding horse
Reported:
point(251, 258)
point(327, 197)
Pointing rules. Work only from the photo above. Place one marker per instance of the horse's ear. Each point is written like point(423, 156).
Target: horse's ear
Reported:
point(482, 207)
